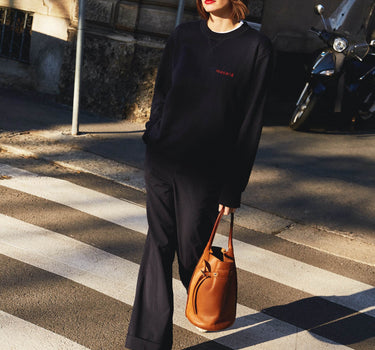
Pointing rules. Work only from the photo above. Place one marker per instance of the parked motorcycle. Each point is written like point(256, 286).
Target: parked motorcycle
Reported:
point(342, 77)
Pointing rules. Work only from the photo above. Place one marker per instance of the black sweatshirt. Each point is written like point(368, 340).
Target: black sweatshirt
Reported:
point(208, 102)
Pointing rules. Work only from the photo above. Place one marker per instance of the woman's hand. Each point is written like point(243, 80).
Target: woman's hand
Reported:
point(227, 210)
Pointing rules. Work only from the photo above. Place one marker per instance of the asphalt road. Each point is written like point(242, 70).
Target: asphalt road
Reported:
point(69, 254)
point(324, 179)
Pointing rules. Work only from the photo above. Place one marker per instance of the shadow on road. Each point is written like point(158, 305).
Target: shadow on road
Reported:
point(323, 319)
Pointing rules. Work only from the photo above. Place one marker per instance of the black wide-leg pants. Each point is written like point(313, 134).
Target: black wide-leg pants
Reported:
point(182, 205)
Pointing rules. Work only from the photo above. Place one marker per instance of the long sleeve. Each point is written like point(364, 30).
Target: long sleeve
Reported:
point(162, 85)
point(242, 159)
point(209, 93)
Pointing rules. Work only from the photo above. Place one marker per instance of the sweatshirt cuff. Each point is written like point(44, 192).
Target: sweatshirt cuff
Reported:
point(230, 198)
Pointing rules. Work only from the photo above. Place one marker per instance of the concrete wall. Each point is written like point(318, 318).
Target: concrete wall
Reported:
point(51, 20)
point(55, 8)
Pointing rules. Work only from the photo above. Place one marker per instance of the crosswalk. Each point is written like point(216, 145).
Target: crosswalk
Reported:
point(113, 275)
point(16, 333)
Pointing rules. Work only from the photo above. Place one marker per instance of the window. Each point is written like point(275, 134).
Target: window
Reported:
point(15, 34)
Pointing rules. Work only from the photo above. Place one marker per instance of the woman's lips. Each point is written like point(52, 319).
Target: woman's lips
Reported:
point(208, 2)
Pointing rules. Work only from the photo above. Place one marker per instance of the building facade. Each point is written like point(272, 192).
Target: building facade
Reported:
point(123, 43)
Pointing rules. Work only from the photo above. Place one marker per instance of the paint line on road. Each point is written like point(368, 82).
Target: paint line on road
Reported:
point(94, 164)
point(290, 272)
point(67, 257)
point(17, 334)
point(116, 277)
point(307, 278)
point(117, 211)
point(256, 260)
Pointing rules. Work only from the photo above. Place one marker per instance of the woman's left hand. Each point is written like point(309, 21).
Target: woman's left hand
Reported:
point(227, 210)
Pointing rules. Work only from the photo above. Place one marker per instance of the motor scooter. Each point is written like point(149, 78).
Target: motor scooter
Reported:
point(342, 77)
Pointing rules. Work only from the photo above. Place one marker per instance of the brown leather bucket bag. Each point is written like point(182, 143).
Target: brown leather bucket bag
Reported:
point(212, 293)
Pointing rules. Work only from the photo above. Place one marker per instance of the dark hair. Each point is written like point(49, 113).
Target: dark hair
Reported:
point(239, 9)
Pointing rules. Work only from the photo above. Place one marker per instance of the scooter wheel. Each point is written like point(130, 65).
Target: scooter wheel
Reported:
point(302, 114)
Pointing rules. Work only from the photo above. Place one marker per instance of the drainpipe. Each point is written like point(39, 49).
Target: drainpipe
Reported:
point(180, 12)
point(77, 77)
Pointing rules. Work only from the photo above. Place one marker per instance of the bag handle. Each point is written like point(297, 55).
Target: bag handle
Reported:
point(230, 239)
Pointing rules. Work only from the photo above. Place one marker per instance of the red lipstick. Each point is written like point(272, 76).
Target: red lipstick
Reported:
point(208, 2)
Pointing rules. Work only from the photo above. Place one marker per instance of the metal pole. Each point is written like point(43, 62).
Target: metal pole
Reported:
point(3, 30)
point(180, 12)
point(23, 36)
point(77, 77)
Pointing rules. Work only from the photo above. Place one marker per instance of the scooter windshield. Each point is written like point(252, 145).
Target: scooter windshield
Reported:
point(352, 18)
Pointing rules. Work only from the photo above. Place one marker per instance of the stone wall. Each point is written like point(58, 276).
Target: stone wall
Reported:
point(123, 44)
point(118, 74)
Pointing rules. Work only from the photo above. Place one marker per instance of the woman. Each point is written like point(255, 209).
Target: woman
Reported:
point(202, 137)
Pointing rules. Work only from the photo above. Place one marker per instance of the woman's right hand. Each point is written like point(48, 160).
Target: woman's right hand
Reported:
point(227, 210)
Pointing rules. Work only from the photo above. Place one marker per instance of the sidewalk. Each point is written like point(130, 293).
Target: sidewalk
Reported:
point(30, 126)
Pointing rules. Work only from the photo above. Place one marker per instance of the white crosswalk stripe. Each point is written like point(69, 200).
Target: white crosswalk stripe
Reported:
point(91, 202)
point(256, 260)
point(116, 277)
point(17, 334)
